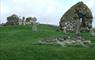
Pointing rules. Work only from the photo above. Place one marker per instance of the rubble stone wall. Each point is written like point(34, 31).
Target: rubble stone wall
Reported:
point(68, 21)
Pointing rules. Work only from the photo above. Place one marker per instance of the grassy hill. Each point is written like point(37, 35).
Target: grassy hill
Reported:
point(16, 44)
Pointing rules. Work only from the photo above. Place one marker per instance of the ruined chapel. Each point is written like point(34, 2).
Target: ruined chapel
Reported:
point(68, 20)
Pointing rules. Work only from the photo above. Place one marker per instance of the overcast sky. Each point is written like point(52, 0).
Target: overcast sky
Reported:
point(46, 11)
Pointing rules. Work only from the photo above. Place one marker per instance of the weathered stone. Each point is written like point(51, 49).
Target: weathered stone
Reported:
point(93, 31)
point(65, 41)
point(12, 20)
point(34, 24)
point(68, 21)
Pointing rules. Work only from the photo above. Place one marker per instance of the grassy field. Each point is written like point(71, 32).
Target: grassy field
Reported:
point(16, 44)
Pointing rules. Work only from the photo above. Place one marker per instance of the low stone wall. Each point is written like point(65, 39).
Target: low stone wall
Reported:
point(65, 42)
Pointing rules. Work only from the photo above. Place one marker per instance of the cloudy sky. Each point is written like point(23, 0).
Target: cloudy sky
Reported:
point(46, 11)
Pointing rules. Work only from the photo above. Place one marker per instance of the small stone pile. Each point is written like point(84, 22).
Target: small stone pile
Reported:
point(65, 41)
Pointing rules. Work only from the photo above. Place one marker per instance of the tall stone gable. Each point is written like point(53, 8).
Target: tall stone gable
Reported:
point(68, 20)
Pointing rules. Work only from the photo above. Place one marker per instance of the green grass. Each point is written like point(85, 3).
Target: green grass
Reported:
point(16, 44)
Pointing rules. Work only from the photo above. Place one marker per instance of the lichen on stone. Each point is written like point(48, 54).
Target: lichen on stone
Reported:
point(68, 20)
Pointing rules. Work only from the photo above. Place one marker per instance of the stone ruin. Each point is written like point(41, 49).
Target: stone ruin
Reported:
point(12, 20)
point(68, 21)
point(27, 21)
point(65, 41)
point(21, 21)
point(16, 20)
point(34, 24)
point(73, 21)
point(93, 32)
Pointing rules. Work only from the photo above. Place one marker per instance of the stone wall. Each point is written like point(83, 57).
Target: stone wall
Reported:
point(68, 21)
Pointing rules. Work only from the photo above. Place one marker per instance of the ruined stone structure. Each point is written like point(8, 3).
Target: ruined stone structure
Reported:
point(13, 20)
point(34, 25)
point(20, 22)
point(64, 42)
point(30, 20)
point(70, 19)
point(93, 31)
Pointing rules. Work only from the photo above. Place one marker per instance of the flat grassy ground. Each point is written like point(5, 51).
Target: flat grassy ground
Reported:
point(16, 44)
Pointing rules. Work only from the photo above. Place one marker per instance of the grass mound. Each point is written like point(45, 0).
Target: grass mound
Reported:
point(16, 44)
